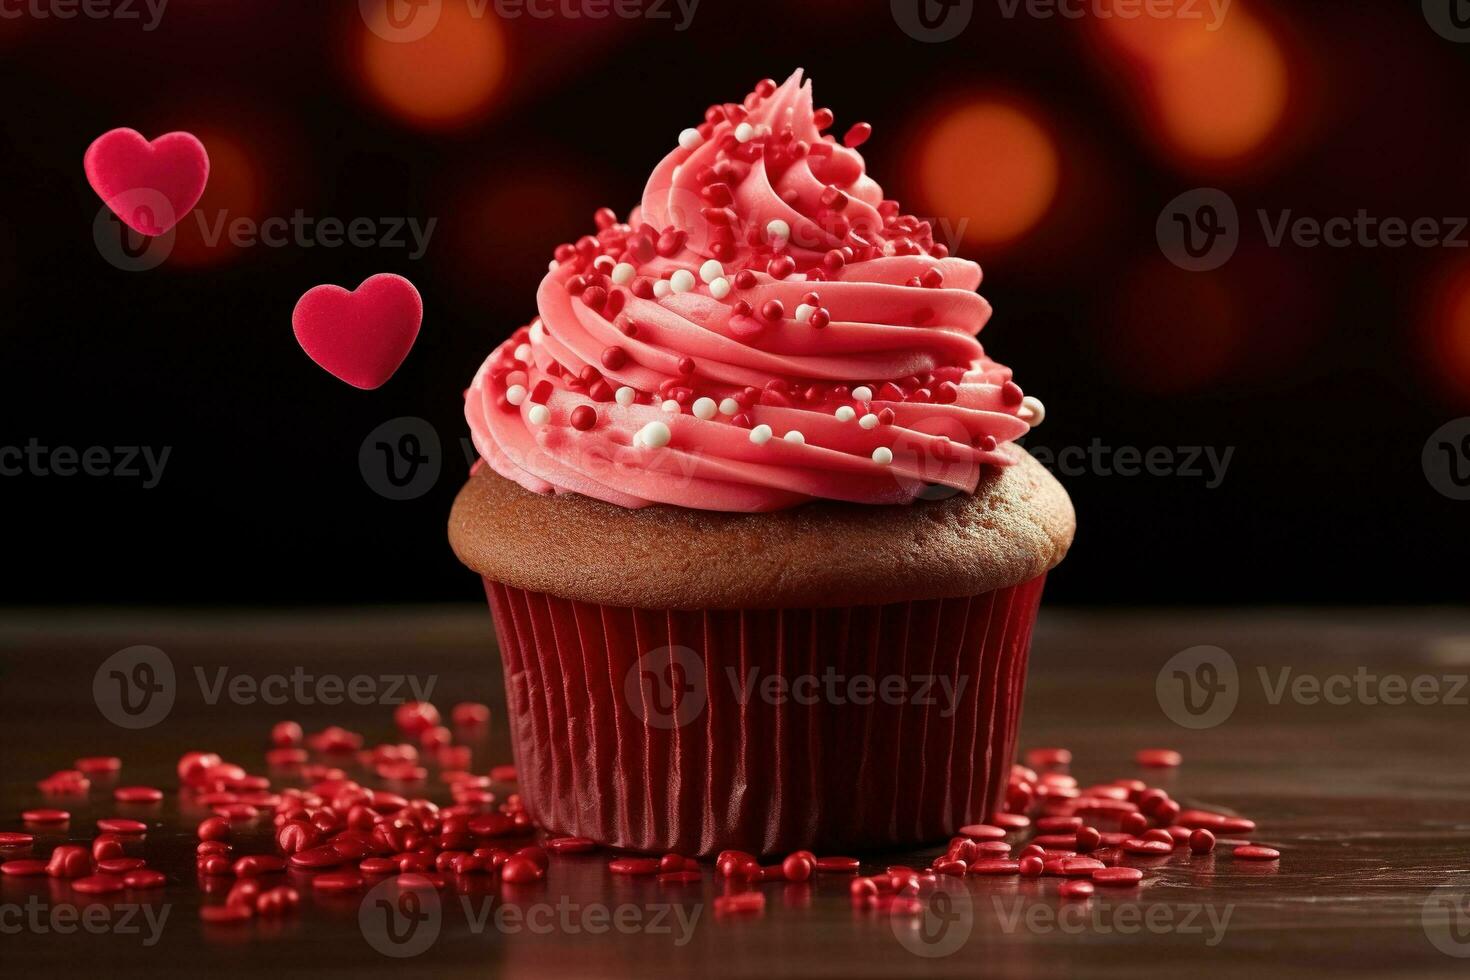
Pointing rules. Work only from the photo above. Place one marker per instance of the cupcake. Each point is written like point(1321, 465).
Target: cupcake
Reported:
point(762, 554)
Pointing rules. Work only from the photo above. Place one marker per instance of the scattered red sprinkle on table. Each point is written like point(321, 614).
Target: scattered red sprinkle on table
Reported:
point(103, 884)
point(1117, 877)
point(633, 866)
point(120, 865)
point(137, 794)
point(45, 815)
point(1158, 758)
point(744, 903)
point(8, 839)
point(1252, 852)
point(23, 868)
point(226, 914)
point(338, 881)
point(144, 879)
point(120, 825)
point(981, 831)
point(503, 774)
point(1076, 888)
point(97, 765)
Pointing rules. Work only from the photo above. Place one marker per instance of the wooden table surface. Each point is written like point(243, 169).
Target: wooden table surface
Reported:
point(1369, 803)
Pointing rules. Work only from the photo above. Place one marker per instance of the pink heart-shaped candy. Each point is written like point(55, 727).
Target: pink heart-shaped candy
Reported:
point(360, 336)
point(150, 186)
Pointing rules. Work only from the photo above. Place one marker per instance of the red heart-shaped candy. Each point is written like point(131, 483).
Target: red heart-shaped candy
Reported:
point(360, 336)
point(150, 186)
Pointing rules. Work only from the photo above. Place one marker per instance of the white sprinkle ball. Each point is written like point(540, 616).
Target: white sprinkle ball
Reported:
point(720, 288)
point(795, 437)
point(681, 281)
point(711, 270)
point(690, 139)
point(804, 313)
point(523, 353)
point(883, 455)
point(515, 394)
point(704, 408)
point(623, 273)
point(670, 406)
point(869, 421)
point(539, 415)
point(845, 413)
point(778, 229)
point(863, 393)
point(625, 396)
point(538, 332)
point(653, 435)
point(729, 406)
point(760, 435)
point(662, 289)
point(1032, 410)
point(744, 132)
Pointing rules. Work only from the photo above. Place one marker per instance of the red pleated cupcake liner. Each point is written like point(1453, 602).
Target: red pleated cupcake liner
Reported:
point(640, 729)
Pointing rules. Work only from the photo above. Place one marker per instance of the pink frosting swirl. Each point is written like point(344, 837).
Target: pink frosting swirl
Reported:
point(764, 330)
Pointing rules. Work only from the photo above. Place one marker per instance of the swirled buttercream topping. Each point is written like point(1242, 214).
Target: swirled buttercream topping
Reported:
point(765, 329)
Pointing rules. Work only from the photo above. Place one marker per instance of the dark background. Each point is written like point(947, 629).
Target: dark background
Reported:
point(1326, 369)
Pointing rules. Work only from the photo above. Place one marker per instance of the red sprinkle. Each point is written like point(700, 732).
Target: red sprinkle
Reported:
point(69, 861)
point(1117, 877)
point(226, 914)
point(570, 845)
point(99, 764)
point(633, 866)
point(1158, 758)
point(8, 839)
point(982, 831)
point(745, 903)
point(145, 879)
point(584, 417)
point(837, 865)
point(119, 825)
point(1201, 841)
point(519, 869)
point(137, 794)
point(45, 815)
point(1075, 889)
point(213, 828)
point(120, 865)
point(679, 878)
point(99, 884)
point(337, 881)
point(1253, 852)
point(857, 135)
point(23, 868)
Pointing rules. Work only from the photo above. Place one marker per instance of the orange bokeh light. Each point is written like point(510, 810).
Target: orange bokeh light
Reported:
point(990, 168)
point(1216, 92)
point(443, 79)
point(1449, 333)
point(233, 192)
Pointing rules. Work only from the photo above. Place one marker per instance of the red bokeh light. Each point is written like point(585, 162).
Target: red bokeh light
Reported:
point(1173, 331)
point(1447, 332)
point(234, 192)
